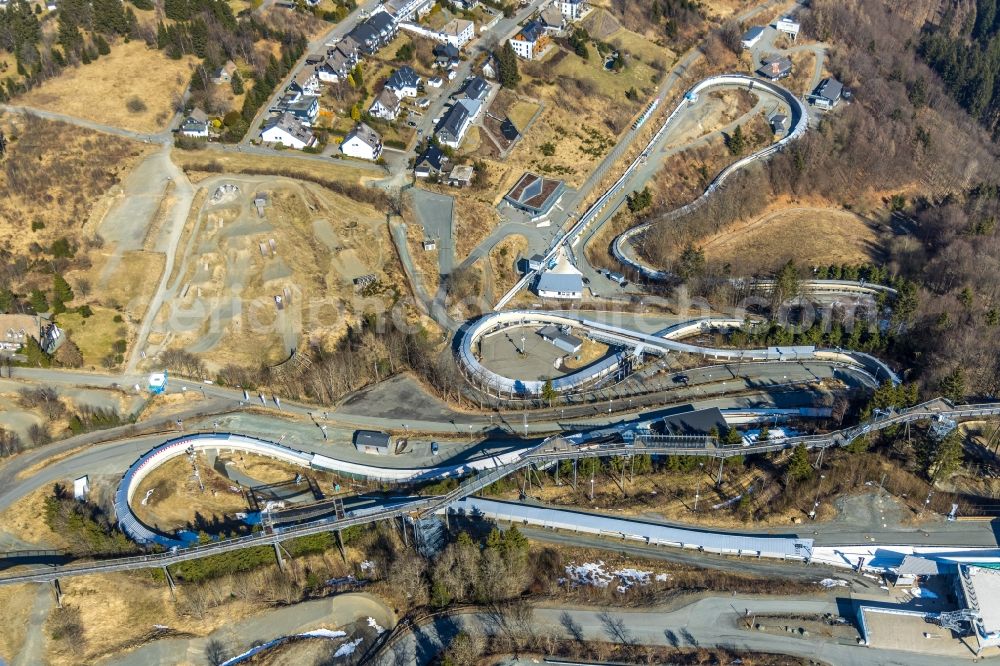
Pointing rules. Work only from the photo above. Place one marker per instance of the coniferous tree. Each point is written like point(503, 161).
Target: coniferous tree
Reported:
point(507, 65)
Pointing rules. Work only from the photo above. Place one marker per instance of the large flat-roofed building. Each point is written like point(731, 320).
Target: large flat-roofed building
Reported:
point(979, 593)
point(535, 194)
point(563, 280)
point(559, 285)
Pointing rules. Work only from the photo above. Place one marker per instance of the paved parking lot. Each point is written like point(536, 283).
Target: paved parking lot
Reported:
point(500, 354)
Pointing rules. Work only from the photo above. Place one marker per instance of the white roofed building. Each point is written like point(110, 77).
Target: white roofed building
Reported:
point(787, 25)
point(563, 281)
point(979, 591)
point(287, 131)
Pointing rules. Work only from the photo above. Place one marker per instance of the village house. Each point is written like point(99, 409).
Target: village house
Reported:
point(224, 74)
point(385, 106)
point(362, 142)
point(287, 131)
point(531, 41)
point(404, 82)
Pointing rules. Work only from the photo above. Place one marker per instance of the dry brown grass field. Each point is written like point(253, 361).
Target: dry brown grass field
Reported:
point(22, 520)
point(177, 497)
point(95, 335)
point(200, 165)
point(54, 184)
point(15, 614)
point(502, 261)
point(104, 90)
point(426, 261)
point(808, 235)
point(474, 218)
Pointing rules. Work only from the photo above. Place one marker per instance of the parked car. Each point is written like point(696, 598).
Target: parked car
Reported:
point(434, 448)
point(452, 74)
point(681, 379)
point(411, 123)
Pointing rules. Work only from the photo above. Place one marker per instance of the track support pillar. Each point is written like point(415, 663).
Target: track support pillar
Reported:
point(277, 554)
point(170, 583)
point(722, 464)
point(340, 545)
point(57, 591)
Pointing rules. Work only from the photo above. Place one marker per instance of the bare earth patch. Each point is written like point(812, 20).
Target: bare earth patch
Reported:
point(104, 90)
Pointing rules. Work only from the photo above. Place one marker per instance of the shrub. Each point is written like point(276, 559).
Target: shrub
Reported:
point(135, 105)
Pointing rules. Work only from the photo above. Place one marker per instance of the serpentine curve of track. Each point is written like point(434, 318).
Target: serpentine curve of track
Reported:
point(149, 461)
point(661, 342)
point(799, 124)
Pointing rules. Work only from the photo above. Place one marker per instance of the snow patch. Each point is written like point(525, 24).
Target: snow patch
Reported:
point(833, 582)
point(323, 633)
point(922, 593)
point(374, 625)
point(594, 574)
point(347, 648)
point(367, 565)
point(316, 633)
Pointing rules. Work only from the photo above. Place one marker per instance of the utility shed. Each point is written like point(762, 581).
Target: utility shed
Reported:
point(374, 442)
point(560, 339)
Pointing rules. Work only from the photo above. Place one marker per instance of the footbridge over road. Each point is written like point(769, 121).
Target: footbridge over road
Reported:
point(551, 450)
point(639, 343)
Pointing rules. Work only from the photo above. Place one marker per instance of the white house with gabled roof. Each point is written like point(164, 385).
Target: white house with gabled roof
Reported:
point(362, 142)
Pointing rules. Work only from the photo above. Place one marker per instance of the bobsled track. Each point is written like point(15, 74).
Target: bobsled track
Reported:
point(636, 345)
point(173, 448)
point(482, 473)
point(799, 123)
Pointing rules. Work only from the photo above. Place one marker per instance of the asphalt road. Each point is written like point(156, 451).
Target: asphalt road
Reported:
point(708, 383)
point(709, 621)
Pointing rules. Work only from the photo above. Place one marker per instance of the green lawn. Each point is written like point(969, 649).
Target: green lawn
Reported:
point(636, 75)
point(94, 335)
point(646, 50)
